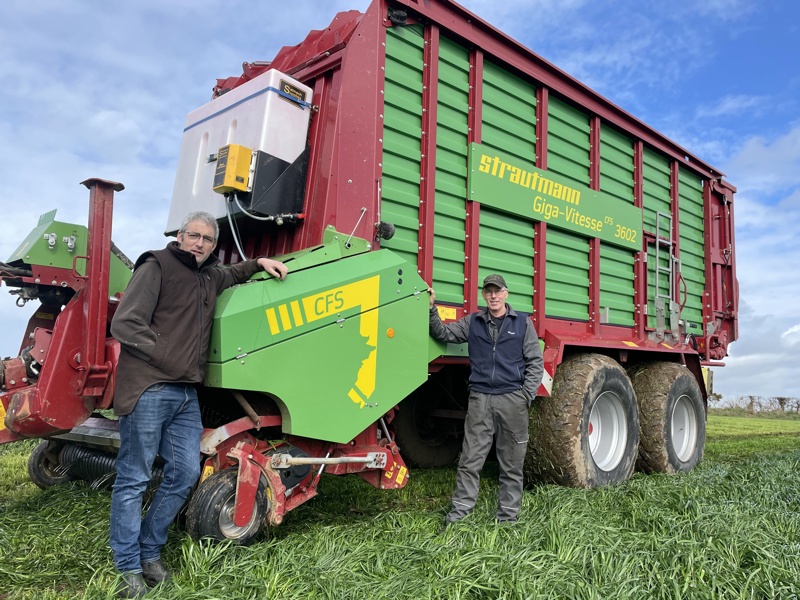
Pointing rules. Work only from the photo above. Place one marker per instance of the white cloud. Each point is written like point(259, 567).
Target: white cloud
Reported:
point(734, 105)
point(769, 165)
point(763, 361)
point(791, 337)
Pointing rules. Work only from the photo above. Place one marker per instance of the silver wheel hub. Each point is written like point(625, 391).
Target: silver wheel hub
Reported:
point(226, 520)
point(683, 428)
point(608, 431)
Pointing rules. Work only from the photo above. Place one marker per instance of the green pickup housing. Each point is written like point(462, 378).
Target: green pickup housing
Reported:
point(341, 341)
point(37, 250)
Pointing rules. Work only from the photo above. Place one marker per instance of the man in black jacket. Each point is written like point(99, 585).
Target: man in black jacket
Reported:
point(163, 325)
point(506, 369)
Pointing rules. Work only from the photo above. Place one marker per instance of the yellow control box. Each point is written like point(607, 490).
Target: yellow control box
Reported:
point(232, 173)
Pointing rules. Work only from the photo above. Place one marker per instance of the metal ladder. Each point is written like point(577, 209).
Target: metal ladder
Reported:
point(667, 310)
point(662, 245)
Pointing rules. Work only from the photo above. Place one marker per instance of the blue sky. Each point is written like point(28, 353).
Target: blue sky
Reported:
point(101, 89)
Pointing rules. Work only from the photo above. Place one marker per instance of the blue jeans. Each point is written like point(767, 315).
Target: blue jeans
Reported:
point(166, 421)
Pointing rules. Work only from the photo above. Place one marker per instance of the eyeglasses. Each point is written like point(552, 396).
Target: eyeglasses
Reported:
point(494, 292)
point(194, 236)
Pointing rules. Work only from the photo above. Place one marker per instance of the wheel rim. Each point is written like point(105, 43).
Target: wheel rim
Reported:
point(228, 527)
point(608, 431)
point(684, 428)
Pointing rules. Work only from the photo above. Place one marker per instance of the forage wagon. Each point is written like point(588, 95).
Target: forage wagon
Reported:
point(408, 145)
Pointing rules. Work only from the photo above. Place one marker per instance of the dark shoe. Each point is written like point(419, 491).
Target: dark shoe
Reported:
point(154, 572)
point(131, 585)
point(443, 527)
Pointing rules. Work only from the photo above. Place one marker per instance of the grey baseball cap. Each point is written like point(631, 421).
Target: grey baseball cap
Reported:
point(495, 280)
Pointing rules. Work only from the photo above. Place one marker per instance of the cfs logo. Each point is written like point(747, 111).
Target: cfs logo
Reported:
point(324, 305)
point(331, 303)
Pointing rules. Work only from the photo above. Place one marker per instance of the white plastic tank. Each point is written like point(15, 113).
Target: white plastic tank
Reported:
point(257, 115)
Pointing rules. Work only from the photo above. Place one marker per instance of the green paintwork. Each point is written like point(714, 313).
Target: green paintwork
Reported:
point(498, 179)
point(509, 129)
point(617, 300)
point(402, 133)
point(35, 250)
point(656, 199)
point(567, 272)
point(331, 316)
point(506, 240)
point(692, 250)
point(568, 142)
point(508, 113)
point(452, 131)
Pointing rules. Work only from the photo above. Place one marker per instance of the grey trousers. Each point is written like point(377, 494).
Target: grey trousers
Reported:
point(504, 417)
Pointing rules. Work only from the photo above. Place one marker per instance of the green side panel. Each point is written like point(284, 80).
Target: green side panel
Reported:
point(36, 250)
point(692, 247)
point(452, 130)
point(506, 247)
point(657, 210)
point(402, 133)
point(616, 164)
point(567, 290)
point(616, 286)
point(509, 113)
point(509, 125)
point(337, 345)
point(655, 190)
point(617, 306)
point(568, 141)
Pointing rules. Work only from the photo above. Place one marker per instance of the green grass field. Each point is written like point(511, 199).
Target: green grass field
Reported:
point(728, 530)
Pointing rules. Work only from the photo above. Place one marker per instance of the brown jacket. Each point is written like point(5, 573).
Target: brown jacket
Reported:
point(163, 322)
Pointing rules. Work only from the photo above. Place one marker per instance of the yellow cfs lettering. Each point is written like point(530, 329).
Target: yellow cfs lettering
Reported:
point(363, 295)
point(327, 303)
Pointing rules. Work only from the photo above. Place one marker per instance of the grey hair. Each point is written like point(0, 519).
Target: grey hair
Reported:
point(203, 217)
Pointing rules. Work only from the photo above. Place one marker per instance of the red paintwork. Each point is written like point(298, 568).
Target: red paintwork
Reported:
point(76, 356)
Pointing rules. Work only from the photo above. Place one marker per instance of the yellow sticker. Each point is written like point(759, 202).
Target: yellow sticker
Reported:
point(207, 470)
point(2, 416)
point(401, 475)
point(634, 344)
point(447, 312)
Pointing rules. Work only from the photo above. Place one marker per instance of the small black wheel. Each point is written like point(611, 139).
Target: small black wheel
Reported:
point(212, 506)
point(425, 441)
point(44, 465)
point(586, 433)
point(672, 418)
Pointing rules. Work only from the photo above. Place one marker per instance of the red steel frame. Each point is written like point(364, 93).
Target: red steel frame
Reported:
point(77, 358)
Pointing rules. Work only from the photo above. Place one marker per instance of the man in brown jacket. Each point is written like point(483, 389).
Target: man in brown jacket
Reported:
point(163, 325)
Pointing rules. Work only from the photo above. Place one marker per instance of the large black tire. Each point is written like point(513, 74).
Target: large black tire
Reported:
point(672, 418)
point(212, 505)
point(44, 465)
point(586, 433)
point(424, 440)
